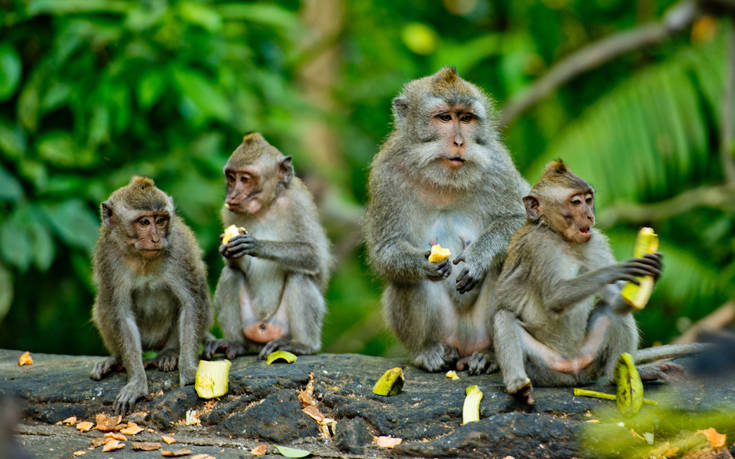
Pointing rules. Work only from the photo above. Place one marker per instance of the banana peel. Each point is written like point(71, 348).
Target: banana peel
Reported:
point(637, 295)
point(275, 356)
point(629, 386)
point(212, 378)
point(471, 407)
point(391, 383)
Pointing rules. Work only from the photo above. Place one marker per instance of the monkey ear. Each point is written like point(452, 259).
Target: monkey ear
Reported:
point(400, 105)
point(106, 212)
point(285, 169)
point(533, 207)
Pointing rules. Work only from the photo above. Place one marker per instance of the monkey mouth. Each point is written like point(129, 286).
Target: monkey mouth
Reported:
point(585, 230)
point(453, 162)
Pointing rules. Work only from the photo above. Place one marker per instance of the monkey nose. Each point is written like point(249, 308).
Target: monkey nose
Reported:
point(458, 140)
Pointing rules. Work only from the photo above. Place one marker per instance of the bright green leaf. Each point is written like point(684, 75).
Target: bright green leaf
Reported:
point(265, 14)
point(12, 140)
point(74, 223)
point(6, 290)
point(99, 128)
point(10, 189)
point(29, 102)
point(10, 70)
point(58, 148)
point(202, 94)
point(44, 249)
point(76, 6)
point(150, 88)
point(15, 244)
point(292, 452)
point(419, 38)
point(200, 14)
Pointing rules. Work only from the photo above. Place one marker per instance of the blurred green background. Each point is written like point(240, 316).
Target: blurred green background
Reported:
point(94, 91)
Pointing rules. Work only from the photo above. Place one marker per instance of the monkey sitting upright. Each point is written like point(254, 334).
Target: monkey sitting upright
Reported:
point(270, 293)
point(152, 288)
point(442, 177)
point(549, 327)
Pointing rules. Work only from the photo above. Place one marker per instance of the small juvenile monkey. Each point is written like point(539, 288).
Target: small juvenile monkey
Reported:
point(270, 293)
point(549, 324)
point(442, 177)
point(152, 288)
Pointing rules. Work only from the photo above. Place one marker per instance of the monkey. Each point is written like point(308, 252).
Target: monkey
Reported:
point(152, 291)
point(442, 176)
point(270, 294)
point(559, 318)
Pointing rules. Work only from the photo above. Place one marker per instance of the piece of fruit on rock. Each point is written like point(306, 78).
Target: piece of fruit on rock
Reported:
point(211, 378)
point(438, 253)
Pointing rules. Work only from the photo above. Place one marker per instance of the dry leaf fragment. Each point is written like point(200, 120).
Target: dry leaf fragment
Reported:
point(387, 441)
point(85, 426)
point(25, 359)
point(79, 453)
point(132, 429)
point(203, 456)
point(192, 418)
point(70, 421)
point(259, 450)
point(168, 439)
point(97, 442)
point(314, 413)
point(177, 453)
point(145, 446)
point(112, 445)
point(116, 436)
point(107, 423)
point(717, 440)
point(306, 396)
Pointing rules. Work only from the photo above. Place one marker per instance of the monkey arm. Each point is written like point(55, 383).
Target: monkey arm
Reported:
point(558, 295)
point(399, 261)
point(294, 256)
point(611, 294)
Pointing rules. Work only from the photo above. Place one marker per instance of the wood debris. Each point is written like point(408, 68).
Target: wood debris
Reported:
point(25, 359)
point(85, 426)
point(132, 429)
point(259, 450)
point(387, 442)
point(116, 436)
point(112, 445)
point(177, 453)
point(79, 453)
point(202, 456)
point(69, 421)
point(145, 446)
point(168, 439)
point(97, 442)
point(306, 396)
point(106, 423)
point(717, 440)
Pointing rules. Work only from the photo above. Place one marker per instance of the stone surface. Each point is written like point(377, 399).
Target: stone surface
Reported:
point(262, 407)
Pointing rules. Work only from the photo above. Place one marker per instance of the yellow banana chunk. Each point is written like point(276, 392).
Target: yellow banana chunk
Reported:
point(391, 383)
point(438, 253)
point(212, 378)
point(286, 356)
point(638, 295)
point(471, 407)
point(232, 231)
point(629, 386)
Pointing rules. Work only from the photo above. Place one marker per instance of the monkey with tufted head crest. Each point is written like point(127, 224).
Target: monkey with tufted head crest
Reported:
point(152, 288)
point(442, 177)
point(270, 294)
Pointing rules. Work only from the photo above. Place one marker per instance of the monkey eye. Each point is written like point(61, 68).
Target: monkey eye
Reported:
point(161, 221)
point(245, 178)
point(144, 221)
point(466, 117)
point(588, 200)
point(446, 117)
point(230, 177)
point(576, 201)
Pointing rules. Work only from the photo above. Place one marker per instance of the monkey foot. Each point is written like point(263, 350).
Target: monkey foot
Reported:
point(230, 349)
point(128, 395)
point(166, 360)
point(665, 371)
point(479, 362)
point(437, 357)
point(522, 390)
point(105, 367)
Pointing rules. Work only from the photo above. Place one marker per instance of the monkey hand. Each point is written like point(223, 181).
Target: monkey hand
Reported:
point(230, 349)
point(125, 400)
point(239, 246)
point(436, 271)
point(471, 275)
point(649, 265)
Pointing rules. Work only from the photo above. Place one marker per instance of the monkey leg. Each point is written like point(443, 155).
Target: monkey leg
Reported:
point(302, 308)
point(620, 336)
point(227, 302)
point(511, 356)
point(664, 371)
point(105, 367)
point(420, 314)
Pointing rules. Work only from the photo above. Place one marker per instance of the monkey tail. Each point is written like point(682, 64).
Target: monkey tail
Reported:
point(669, 351)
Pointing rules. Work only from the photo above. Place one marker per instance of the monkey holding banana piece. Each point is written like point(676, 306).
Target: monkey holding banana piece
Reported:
point(152, 288)
point(270, 293)
point(549, 327)
point(442, 177)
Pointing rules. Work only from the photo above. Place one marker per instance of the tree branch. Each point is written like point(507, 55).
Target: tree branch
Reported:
point(675, 20)
point(716, 197)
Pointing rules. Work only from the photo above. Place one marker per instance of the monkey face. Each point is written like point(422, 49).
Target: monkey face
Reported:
point(151, 232)
point(243, 190)
point(574, 216)
point(455, 125)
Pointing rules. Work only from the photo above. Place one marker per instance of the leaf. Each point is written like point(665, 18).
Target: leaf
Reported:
point(57, 148)
point(150, 88)
point(42, 243)
point(200, 14)
point(292, 452)
point(265, 14)
point(12, 140)
point(74, 223)
point(6, 290)
point(10, 70)
point(29, 101)
point(10, 189)
point(466, 55)
point(205, 97)
point(59, 7)
point(15, 244)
